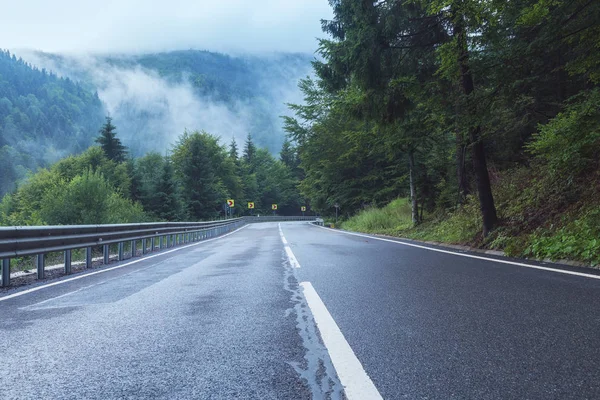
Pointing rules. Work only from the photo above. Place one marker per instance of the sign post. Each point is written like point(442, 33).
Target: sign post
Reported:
point(303, 209)
point(274, 208)
point(251, 207)
point(337, 206)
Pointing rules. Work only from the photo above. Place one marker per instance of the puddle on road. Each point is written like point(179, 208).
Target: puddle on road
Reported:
point(316, 368)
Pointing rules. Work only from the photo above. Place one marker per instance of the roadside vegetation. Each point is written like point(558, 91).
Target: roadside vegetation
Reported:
point(104, 185)
point(458, 121)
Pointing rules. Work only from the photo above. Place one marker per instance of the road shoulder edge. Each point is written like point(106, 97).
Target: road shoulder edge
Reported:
point(572, 268)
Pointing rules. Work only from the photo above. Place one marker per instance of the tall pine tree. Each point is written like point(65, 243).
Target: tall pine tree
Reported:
point(110, 143)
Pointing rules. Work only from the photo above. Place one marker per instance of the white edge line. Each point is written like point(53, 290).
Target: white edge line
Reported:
point(356, 382)
point(35, 289)
point(561, 271)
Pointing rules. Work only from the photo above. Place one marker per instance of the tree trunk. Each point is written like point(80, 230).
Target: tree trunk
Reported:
point(482, 177)
point(414, 205)
point(461, 170)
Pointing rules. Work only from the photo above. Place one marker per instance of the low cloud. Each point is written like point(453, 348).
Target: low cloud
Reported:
point(151, 111)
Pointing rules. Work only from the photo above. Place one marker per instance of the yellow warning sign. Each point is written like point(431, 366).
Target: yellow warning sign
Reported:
point(273, 206)
point(303, 208)
point(231, 203)
point(251, 205)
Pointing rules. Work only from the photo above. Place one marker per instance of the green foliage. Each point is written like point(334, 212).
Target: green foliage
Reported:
point(94, 159)
point(434, 91)
point(156, 187)
point(197, 159)
point(87, 198)
point(49, 199)
point(42, 118)
point(569, 144)
point(110, 143)
point(391, 219)
point(459, 227)
point(83, 189)
point(577, 240)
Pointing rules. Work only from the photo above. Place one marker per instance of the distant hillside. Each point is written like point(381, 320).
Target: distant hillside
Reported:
point(53, 105)
point(42, 118)
point(154, 97)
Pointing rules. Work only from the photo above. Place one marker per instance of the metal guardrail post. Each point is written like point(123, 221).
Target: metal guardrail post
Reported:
point(68, 262)
point(41, 240)
point(5, 272)
point(88, 257)
point(40, 261)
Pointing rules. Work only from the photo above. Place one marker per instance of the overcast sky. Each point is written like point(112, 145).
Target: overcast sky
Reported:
point(156, 25)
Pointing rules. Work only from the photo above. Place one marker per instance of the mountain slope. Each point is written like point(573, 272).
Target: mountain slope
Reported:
point(42, 118)
point(154, 97)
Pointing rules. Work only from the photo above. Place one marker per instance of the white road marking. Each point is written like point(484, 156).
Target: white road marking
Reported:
point(285, 242)
point(288, 250)
point(35, 289)
point(561, 271)
point(356, 382)
point(291, 257)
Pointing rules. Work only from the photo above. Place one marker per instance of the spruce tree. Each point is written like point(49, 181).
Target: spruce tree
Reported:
point(167, 205)
point(233, 150)
point(110, 143)
point(249, 150)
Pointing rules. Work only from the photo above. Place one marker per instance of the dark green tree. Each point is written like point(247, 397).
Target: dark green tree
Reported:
point(249, 151)
point(197, 160)
point(110, 143)
point(233, 151)
point(167, 205)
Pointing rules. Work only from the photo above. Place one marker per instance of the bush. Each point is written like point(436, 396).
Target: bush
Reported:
point(570, 143)
point(461, 226)
point(394, 217)
point(578, 240)
point(87, 199)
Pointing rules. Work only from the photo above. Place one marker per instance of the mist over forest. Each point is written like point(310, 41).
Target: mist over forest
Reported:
point(152, 99)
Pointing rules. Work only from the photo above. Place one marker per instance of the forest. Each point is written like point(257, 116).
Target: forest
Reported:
point(105, 184)
point(152, 95)
point(49, 113)
point(42, 118)
point(463, 121)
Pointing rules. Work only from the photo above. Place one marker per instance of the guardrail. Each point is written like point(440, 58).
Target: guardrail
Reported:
point(277, 218)
point(41, 240)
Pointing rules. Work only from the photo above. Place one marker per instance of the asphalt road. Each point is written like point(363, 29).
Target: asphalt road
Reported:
point(233, 318)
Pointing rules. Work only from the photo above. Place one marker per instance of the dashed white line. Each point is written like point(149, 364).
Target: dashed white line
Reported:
point(35, 289)
point(561, 271)
point(291, 258)
point(288, 251)
point(352, 375)
point(354, 378)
